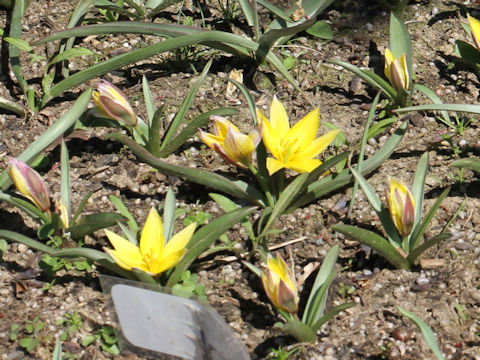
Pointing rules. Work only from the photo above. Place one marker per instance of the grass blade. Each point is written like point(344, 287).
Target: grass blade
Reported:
point(147, 95)
point(65, 186)
point(418, 187)
point(168, 215)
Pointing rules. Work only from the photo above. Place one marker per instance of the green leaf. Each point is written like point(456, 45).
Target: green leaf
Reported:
point(154, 143)
point(418, 187)
point(370, 193)
point(147, 95)
point(204, 237)
point(69, 54)
point(314, 309)
point(335, 181)
point(11, 236)
point(322, 30)
point(236, 188)
point(192, 127)
point(376, 242)
point(336, 310)
point(123, 210)
point(419, 250)
point(168, 215)
point(90, 223)
point(289, 62)
point(471, 163)
point(19, 43)
point(436, 100)
point(180, 116)
point(82, 205)
point(300, 331)
point(57, 352)
point(285, 199)
point(247, 11)
point(441, 107)
point(419, 230)
point(400, 41)
point(426, 331)
point(51, 134)
point(368, 76)
point(468, 53)
point(9, 106)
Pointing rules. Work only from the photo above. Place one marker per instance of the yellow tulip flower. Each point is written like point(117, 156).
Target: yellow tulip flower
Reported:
point(296, 147)
point(112, 103)
point(401, 206)
point(279, 284)
point(29, 183)
point(396, 70)
point(152, 256)
point(230, 143)
point(475, 27)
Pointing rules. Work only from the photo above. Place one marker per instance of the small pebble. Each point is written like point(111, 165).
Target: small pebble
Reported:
point(401, 333)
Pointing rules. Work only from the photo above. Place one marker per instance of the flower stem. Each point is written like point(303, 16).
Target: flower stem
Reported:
point(263, 184)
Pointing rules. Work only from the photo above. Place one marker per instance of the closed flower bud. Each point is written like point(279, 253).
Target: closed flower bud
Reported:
point(29, 183)
point(396, 70)
point(401, 206)
point(112, 103)
point(279, 284)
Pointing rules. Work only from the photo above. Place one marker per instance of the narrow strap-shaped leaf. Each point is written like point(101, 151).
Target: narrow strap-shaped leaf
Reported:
point(199, 176)
point(368, 76)
point(328, 266)
point(12, 236)
point(65, 186)
point(192, 127)
point(82, 205)
point(426, 331)
point(376, 242)
point(180, 116)
point(204, 237)
point(276, 10)
point(9, 106)
point(435, 99)
point(475, 109)
point(15, 31)
point(147, 95)
point(247, 11)
point(25, 205)
point(51, 134)
point(333, 182)
point(248, 98)
point(93, 222)
point(400, 41)
point(154, 142)
point(319, 298)
point(361, 153)
point(252, 268)
point(420, 229)
point(168, 215)
point(284, 200)
point(419, 250)
point(418, 187)
point(370, 193)
point(333, 312)
point(299, 330)
point(471, 163)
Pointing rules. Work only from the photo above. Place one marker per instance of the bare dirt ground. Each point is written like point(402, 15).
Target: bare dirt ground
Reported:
point(446, 296)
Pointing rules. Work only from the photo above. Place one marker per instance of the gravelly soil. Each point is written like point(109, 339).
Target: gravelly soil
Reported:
point(446, 296)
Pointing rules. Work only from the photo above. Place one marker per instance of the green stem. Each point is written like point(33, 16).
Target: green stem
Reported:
point(406, 245)
point(263, 183)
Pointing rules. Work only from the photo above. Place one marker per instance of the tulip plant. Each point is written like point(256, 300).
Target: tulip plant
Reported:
point(112, 108)
point(294, 148)
point(401, 220)
point(58, 223)
point(281, 288)
point(398, 66)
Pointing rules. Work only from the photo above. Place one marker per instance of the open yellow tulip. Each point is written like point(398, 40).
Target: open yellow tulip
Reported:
point(296, 147)
point(152, 256)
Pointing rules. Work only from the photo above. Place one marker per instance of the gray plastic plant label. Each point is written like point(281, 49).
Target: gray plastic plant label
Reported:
point(173, 325)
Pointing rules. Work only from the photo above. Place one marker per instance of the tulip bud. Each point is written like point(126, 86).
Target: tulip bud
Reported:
point(112, 103)
point(396, 70)
point(401, 206)
point(279, 284)
point(29, 183)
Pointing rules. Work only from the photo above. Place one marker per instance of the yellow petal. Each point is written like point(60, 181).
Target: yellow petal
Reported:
point(475, 27)
point(19, 181)
point(151, 239)
point(304, 131)
point(222, 125)
point(389, 58)
point(273, 165)
point(278, 118)
point(303, 165)
point(271, 140)
point(318, 145)
point(209, 139)
point(238, 147)
point(126, 261)
point(167, 262)
point(179, 241)
point(406, 79)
